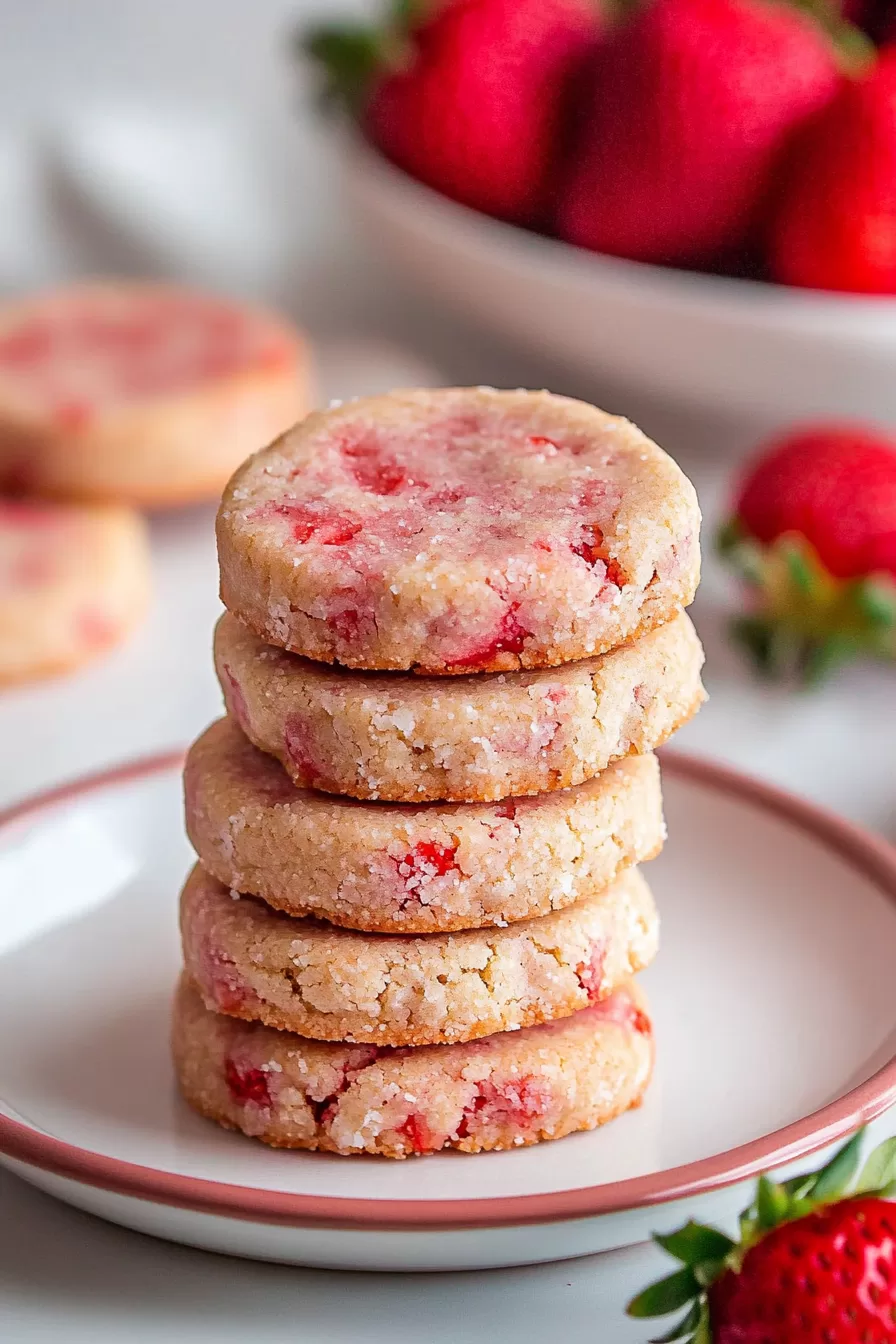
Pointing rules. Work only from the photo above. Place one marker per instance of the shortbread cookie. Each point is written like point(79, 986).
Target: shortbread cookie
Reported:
point(504, 1091)
point(138, 393)
point(74, 580)
point(334, 985)
point(458, 530)
point(412, 869)
point(480, 738)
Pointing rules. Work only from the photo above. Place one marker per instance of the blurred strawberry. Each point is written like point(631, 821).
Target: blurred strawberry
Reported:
point(813, 534)
point(835, 224)
point(815, 1262)
point(691, 103)
point(467, 95)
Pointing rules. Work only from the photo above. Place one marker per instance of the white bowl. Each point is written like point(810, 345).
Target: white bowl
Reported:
point(734, 345)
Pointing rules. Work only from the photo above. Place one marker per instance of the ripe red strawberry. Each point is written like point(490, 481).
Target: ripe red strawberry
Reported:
point(691, 104)
point(813, 533)
point(814, 1264)
point(835, 222)
point(469, 95)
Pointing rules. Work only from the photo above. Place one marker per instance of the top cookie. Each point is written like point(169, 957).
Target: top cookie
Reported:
point(458, 530)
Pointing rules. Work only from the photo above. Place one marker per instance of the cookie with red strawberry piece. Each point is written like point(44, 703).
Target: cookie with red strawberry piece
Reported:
point(412, 869)
point(685, 115)
point(467, 739)
point(504, 1091)
point(337, 985)
point(813, 535)
point(139, 393)
point(815, 1262)
point(834, 226)
point(458, 530)
point(74, 581)
point(467, 97)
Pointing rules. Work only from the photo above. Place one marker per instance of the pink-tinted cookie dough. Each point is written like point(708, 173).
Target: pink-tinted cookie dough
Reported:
point(140, 393)
point(74, 580)
point(412, 869)
point(335, 985)
point(458, 530)
point(477, 738)
point(504, 1091)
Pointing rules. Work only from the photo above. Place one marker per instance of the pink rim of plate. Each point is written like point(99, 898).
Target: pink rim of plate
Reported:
point(870, 856)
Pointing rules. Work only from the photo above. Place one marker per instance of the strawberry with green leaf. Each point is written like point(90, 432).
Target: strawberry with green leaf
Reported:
point(815, 1262)
point(813, 536)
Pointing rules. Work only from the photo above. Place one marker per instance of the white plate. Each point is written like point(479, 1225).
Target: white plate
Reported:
point(772, 994)
point(766, 350)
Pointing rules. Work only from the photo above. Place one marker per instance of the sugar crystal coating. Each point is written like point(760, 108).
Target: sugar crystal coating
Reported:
point(458, 530)
point(412, 868)
point(503, 1091)
point(331, 984)
point(483, 737)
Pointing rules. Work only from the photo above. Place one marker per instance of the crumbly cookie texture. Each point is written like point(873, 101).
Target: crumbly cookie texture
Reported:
point(335, 985)
point(412, 869)
point(74, 580)
point(140, 393)
point(504, 1091)
point(458, 530)
point(406, 739)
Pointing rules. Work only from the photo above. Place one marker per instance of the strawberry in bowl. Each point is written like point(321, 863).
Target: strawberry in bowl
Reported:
point(688, 110)
point(466, 97)
point(610, 185)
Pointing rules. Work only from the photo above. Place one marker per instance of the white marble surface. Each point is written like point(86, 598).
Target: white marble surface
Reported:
point(64, 1276)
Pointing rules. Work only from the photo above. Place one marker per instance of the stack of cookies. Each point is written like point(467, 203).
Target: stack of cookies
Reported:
point(455, 633)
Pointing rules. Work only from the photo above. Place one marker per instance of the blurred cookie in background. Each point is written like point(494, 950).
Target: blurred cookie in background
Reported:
point(74, 581)
point(141, 394)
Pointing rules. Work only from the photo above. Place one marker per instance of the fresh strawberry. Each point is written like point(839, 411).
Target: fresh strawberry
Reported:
point(835, 223)
point(691, 104)
point(815, 1264)
point(468, 95)
point(813, 533)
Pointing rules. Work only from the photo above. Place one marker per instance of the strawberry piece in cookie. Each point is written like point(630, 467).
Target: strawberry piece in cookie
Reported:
point(426, 860)
point(138, 393)
point(74, 580)
point(510, 637)
point(247, 1086)
point(464, 529)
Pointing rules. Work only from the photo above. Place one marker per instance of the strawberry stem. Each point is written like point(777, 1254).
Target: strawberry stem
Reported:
point(347, 59)
point(350, 57)
point(772, 1204)
point(805, 622)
